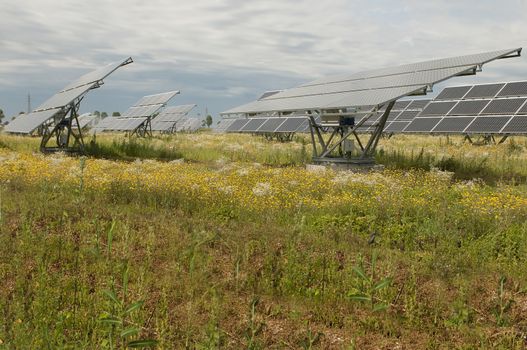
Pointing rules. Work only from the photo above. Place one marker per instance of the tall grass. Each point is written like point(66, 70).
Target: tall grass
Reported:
point(86, 269)
point(129, 149)
point(492, 163)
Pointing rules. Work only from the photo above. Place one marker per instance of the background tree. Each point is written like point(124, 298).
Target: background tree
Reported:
point(2, 115)
point(97, 113)
point(104, 115)
point(209, 121)
point(116, 114)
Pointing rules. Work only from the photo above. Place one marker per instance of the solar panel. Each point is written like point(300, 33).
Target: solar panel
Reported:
point(253, 125)
point(156, 99)
point(269, 93)
point(514, 89)
point(157, 125)
point(523, 110)
point(190, 125)
point(453, 124)
point(194, 124)
point(63, 104)
point(517, 125)
point(290, 125)
point(223, 125)
point(453, 93)
point(237, 125)
point(103, 124)
point(422, 125)
point(271, 125)
point(27, 123)
point(376, 87)
point(147, 107)
point(64, 98)
point(132, 123)
point(417, 104)
point(469, 107)
point(393, 115)
point(479, 111)
point(174, 114)
point(437, 108)
point(304, 127)
point(490, 125)
point(406, 116)
point(114, 123)
point(120, 124)
point(98, 74)
point(142, 111)
point(400, 105)
point(504, 106)
point(484, 91)
point(84, 120)
point(396, 126)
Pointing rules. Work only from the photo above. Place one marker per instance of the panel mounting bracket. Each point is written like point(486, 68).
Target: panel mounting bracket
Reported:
point(66, 133)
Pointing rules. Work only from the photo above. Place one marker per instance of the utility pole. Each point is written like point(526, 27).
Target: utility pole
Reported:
point(28, 103)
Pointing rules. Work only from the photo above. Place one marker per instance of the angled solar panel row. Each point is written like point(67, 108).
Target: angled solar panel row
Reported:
point(470, 125)
point(156, 99)
point(142, 111)
point(97, 75)
point(171, 118)
point(146, 107)
point(189, 125)
point(174, 113)
point(400, 116)
point(119, 124)
point(56, 106)
point(27, 123)
point(518, 88)
point(223, 125)
point(85, 120)
point(498, 108)
point(266, 124)
point(374, 87)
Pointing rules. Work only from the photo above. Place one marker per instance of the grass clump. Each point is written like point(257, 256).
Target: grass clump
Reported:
point(130, 149)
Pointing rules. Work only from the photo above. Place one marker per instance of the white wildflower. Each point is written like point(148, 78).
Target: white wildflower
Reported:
point(262, 189)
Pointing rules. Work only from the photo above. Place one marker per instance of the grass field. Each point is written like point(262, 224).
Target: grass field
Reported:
point(207, 241)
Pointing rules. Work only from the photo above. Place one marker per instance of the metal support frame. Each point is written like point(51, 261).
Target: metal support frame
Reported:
point(503, 139)
point(63, 132)
point(486, 139)
point(339, 134)
point(143, 130)
point(279, 136)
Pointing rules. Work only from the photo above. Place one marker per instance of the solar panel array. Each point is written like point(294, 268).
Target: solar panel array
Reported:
point(189, 125)
point(264, 125)
point(498, 108)
point(223, 125)
point(370, 88)
point(144, 109)
point(170, 118)
point(402, 113)
point(72, 93)
point(85, 120)
point(118, 124)
point(400, 116)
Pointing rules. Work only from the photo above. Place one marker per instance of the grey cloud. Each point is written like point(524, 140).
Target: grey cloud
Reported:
point(225, 52)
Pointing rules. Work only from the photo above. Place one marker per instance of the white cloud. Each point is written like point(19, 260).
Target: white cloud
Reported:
point(236, 49)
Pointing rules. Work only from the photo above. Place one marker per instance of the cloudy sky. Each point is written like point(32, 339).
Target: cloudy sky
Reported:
point(222, 53)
